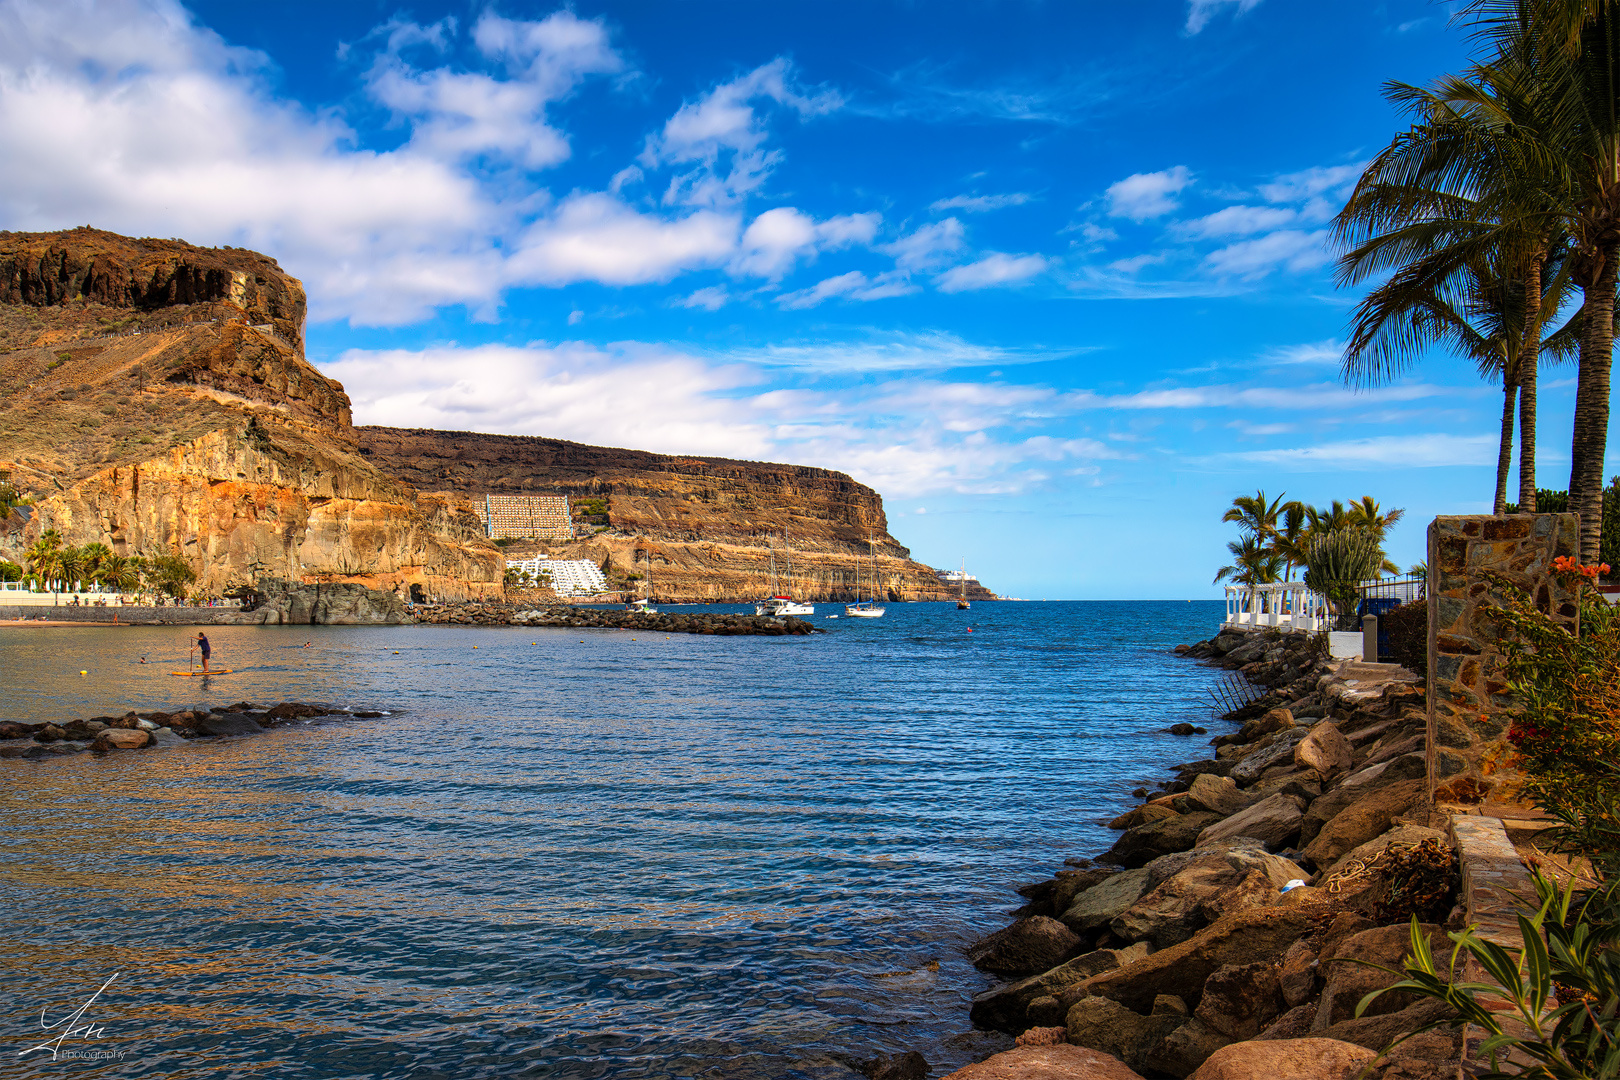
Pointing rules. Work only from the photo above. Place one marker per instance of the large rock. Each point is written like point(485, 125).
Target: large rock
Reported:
point(1142, 815)
point(1200, 887)
point(1376, 1030)
point(1098, 905)
point(1006, 1007)
point(1325, 749)
point(1239, 1000)
point(1185, 1048)
point(121, 739)
point(1272, 721)
point(167, 737)
point(1289, 1059)
point(1273, 821)
point(1364, 819)
point(1278, 750)
point(229, 724)
point(1048, 1063)
point(1297, 979)
point(1401, 835)
point(1109, 1026)
point(1248, 936)
point(1027, 947)
point(1355, 970)
point(1141, 845)
point(1216, 795)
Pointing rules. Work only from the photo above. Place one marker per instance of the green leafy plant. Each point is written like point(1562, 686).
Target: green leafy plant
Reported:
point(1562, 991)
point(1338, 561)
point(1566, 734)
point(168, 574)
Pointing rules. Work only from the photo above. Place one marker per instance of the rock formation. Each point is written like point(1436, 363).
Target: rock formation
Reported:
point(154, 397)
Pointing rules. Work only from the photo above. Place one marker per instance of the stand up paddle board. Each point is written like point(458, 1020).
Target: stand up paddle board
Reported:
point(194, 674)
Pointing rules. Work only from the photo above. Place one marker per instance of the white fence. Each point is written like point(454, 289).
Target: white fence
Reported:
point(1285, 604)
point(21, 594)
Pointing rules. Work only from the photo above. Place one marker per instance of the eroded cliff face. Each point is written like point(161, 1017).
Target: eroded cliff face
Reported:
point(707, 529)
point(156, 399)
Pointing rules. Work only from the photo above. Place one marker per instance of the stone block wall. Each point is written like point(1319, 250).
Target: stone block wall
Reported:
point(1465, 657)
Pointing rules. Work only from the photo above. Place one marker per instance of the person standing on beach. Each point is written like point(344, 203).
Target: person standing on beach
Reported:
point(207, 650)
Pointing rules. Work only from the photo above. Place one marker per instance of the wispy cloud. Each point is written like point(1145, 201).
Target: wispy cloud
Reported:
point(994, 269)
point(1384, 451)
point(978, 204)
point(1200, 12)
point(892, 351)
point(1288, 249)
point(1315, 352)
point(1143, 196)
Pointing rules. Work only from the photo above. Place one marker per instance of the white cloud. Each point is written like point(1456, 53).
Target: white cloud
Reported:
point(1288, 249)
point(1200, 12)
point(1142, 196)
point(712, 298)
point(1236, 221)
point(978, 204)
point(851, 286)
point(778, 238)
point(1136, 263)
point(893, 351)
point(1333, 181)
point(994, 269)
point(927, 246)
point(1315, 352)
point(1380, 452)
point(595, 237)
point(724, 124)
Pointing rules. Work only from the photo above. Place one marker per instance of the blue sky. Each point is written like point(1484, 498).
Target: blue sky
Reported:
point(1052, 277)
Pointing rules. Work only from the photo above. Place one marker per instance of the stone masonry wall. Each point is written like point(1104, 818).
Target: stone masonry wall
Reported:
point(1465, 659)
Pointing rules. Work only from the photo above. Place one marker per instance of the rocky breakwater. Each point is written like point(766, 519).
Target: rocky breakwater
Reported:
point(151, 730)
point(1226, 932)
point(583, 618)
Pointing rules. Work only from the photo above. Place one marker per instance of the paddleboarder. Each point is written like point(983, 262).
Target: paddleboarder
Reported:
point(207, 650)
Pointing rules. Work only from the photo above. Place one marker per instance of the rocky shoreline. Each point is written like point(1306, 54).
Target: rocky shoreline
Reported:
point(716, 623)
point(149, 730)
point(1225, 933)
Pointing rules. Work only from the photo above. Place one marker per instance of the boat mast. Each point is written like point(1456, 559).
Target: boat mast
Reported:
point(787, 551)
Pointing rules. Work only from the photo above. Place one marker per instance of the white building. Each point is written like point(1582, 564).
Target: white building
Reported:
point(569, 577)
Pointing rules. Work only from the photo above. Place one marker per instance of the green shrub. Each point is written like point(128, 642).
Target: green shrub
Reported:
point(1609, 552)
point(1337, 562)
point(1547, 502)
point(1408, 629)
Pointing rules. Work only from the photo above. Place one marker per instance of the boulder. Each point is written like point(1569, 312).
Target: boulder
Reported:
point(1027, 947)
point(1297, 980)
point(1377, 1031)
point(1142, 815)
point(167, 737)
point(1188, 1045)
point(1141, 845)
point(1216, 795)
point(1272, 721)
point(1006, 1007)
point(1071, 883)
point(50, 733)
point(1098, 905)
point(1239, 1000)
point(1325, 749)
point(1047, 1063)
point(10, 729)
point(229, 724)
point(1044, 1012)
point(1350, 978)
point(294, 710)
point(1287, 1059)
point(1364, 819)
point(121, 739)
point(1247, 936)
point(908, 1066)
point(1241, 854)
point(1273, 821)
point(185, 720)
point(1293, 1024)
point(1404, 835)
point(1183, 729)
point(1278, 749)
point(1109, 1026)
point(1193, 898)
point(1048, 1035)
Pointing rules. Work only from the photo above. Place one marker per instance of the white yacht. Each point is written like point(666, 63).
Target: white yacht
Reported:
point(783, 604)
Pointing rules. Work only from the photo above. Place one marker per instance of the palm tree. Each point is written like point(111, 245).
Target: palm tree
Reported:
point(1462, 210)
point(1574, 48)
point(1289, 541)
point(121, 573)
point(1320, 521)
point(1365, 513)
point(1254, 562)
point(44, 558)
point(1256, 516)
point(70, 564)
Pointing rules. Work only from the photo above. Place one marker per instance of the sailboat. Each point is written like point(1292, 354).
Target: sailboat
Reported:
point(783, 603)
point(644, 604)
point(961, 595)
point(866, 609)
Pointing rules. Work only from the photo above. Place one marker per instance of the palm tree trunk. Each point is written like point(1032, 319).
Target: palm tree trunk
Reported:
point(1504, 456)
point(1529, 355)
point(1592, 405)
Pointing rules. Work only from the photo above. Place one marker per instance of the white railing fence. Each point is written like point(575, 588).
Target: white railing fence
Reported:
point(1285, 604)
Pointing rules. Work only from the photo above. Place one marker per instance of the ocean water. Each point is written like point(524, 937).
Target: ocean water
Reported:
point(564, 853)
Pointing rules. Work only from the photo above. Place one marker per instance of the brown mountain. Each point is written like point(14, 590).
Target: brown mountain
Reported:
point(154, 395)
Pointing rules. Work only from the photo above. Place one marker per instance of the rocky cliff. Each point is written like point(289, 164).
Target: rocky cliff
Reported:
point(705, 529)
point(154, 397)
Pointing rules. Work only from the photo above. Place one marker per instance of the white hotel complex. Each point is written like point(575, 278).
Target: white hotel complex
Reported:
point(569, 577)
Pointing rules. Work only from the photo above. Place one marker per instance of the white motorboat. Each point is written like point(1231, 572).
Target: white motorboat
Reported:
point(866, 609)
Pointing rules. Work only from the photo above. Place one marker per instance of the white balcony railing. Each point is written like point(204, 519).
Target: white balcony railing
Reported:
point(1287, 605)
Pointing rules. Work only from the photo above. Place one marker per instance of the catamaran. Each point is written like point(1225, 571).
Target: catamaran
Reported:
point(866, 609)
point(778, 603)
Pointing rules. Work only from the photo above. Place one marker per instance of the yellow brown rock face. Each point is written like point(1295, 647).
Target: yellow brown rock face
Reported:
point(155, 397)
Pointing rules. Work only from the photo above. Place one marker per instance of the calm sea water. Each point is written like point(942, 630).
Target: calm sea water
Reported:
point(565, 854)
